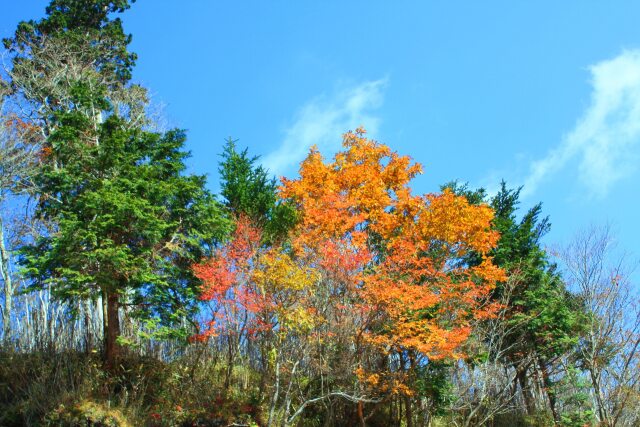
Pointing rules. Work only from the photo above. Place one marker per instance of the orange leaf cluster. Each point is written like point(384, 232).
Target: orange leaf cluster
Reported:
point(369, 267)
point(226, 282)
point(403, 253)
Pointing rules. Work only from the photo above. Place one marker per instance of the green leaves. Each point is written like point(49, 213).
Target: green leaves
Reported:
point(84, 14)
point(248, 190)
point(540, 303)
point(127, 220)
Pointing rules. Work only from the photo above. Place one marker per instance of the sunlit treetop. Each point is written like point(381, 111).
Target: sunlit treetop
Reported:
point(421, 292)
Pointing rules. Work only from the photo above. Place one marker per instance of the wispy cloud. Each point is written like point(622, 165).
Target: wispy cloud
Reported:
point(605, 141)
point(324, 119)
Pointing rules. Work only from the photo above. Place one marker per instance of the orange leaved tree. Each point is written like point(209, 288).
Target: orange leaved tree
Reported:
point(394, 277)
point(370, 285)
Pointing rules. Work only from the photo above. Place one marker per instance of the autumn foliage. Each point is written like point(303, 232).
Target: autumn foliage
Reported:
point(337, 297)
point(370, 270)
point(252, 288)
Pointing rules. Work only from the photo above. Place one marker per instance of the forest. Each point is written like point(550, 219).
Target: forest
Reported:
point(133, 296)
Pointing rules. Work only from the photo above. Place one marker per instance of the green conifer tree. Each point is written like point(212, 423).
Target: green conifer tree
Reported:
point(129, 222)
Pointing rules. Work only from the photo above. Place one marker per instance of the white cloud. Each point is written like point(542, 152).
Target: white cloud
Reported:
point(606, 138)
point(323, 120)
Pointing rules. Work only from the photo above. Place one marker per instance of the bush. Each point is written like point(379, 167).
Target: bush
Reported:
point(86, 414)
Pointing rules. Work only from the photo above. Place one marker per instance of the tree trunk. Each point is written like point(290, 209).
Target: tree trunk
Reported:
point(88, 326)
point(361, 414)
point(409, 409)
point(230, 362)
point(264, 362)
point(8, 286)
point(102, 307)
point(112, 348)
point(526, 392)
point(407, 399)
point(274, 399)
point(551, 394)
point(595, 383)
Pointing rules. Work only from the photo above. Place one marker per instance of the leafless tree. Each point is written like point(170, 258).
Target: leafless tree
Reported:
point(18, 145)
point(485, 388)
point(610, 350)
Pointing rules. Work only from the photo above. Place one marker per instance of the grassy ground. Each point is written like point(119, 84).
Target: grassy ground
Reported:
point(72, 389)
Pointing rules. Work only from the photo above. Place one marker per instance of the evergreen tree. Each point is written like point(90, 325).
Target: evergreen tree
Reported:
point(544, 317)
point(129, 223)
point(78, 41)
point(248, 190)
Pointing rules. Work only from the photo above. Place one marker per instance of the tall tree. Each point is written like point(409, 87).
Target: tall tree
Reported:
point(77, 42)
point(129, 222)
point(546, 317)
point(543, 318)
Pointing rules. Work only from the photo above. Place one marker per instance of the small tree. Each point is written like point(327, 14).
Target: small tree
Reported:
point(248, 190)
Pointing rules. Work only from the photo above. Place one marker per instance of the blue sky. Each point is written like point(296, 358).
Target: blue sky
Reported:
point(545, 93)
